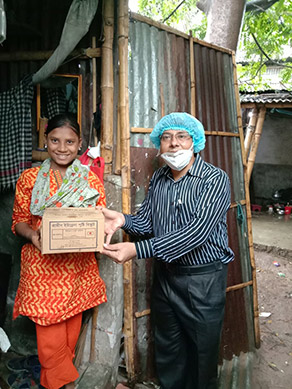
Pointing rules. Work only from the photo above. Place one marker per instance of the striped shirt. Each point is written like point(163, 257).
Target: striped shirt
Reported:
point(184, 221)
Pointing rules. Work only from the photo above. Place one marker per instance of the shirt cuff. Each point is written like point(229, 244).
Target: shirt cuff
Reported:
point(128, 223)
point(144, 249)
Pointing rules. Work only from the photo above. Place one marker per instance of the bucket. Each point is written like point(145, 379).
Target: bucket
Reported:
point(288, 210)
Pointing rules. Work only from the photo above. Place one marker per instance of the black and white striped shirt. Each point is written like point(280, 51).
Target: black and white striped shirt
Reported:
point(184, 221)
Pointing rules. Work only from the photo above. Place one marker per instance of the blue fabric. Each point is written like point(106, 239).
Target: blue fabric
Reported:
point(184, 221)
point(180, 121)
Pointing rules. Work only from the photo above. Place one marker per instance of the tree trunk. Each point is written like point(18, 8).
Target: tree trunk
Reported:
point(224, 21)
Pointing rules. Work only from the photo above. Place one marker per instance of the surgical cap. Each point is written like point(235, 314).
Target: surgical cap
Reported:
point(180, 121)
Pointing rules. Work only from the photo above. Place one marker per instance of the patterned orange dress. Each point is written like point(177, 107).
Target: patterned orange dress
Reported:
point(53, 287)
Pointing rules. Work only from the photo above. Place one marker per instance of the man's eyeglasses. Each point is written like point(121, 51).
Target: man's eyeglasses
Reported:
point(181, 137)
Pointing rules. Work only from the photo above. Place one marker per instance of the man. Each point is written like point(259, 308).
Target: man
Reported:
point(182, 223)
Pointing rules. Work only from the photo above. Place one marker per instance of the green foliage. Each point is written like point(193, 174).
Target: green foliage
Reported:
point(187, 17)
point(266, 40)
point(266, 37)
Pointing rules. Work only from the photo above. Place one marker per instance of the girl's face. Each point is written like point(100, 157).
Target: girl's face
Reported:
point(63, 145)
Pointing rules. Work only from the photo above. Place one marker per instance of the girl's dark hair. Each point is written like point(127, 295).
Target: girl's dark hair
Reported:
point(61, 120)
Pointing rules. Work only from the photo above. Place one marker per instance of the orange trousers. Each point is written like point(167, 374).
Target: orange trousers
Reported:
point(56, 349)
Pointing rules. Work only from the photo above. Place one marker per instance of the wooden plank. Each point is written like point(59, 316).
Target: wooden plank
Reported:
point(142, 130)
point(147, 312)
point(44, 55)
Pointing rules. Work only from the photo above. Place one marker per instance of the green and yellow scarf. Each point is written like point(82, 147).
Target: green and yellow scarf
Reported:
point(74, 191)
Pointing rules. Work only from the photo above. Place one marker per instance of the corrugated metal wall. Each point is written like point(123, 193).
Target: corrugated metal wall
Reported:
point(158, 57)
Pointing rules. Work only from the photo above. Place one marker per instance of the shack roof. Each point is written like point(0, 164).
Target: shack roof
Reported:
point(264, 97)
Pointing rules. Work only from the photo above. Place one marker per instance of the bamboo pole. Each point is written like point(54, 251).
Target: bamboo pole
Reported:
point(242, 202)
point(192, 75)
point(243, 285)
point(107, 86)
point(94, 92)
point(79, 111)
point(93, 333)
point(117, 167)
point(222, 133)
point(250, 130)
point(256, 141)
point(143, 130)
point(142, 313)
point(125, 173)
point(248, 212)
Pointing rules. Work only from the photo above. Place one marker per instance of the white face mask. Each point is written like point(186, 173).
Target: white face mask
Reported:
point(178, 160)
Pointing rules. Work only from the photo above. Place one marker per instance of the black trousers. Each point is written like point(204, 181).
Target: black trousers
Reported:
point(187, 313)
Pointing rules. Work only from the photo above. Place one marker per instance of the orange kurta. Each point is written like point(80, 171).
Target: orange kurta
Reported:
point(53, 287)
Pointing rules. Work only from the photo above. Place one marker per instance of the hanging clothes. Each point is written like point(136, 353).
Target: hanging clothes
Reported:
point(54, 102)
point(15, 132)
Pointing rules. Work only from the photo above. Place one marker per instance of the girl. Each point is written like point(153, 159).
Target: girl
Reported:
point(55, 289)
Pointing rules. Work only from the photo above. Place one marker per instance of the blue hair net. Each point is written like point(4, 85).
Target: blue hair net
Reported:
point(180, 121)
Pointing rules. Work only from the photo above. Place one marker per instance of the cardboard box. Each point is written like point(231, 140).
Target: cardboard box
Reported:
point(67, 230)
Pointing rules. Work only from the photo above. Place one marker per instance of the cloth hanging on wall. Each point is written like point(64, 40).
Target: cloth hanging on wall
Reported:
point(15, 132)
point(54, 103)
point(79, 18)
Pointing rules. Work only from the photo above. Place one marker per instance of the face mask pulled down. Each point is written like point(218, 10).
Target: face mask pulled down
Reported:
point(178, 160)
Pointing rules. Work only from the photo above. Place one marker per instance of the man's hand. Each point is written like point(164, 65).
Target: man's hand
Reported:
point(113, 221)
point(120, 252)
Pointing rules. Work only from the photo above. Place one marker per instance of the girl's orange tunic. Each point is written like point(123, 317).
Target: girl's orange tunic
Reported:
point(53, 287)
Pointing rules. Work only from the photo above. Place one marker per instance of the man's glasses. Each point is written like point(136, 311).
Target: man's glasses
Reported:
point(181, 137)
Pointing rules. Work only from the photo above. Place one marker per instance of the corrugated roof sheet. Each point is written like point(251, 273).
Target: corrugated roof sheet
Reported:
point(267, 97)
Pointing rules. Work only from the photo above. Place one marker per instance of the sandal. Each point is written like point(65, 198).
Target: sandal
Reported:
point(23, 363)
point(22, 380)
point(25, 379)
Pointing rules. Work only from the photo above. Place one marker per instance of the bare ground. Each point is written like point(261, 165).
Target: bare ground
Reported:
point(273, 366)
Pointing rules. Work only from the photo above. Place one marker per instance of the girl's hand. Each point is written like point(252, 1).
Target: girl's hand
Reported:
point(36, 239)
point(24, 230)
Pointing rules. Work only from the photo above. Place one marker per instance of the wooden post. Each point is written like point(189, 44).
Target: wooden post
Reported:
point(93, 45)
point(256, 141)
point(250, 130)
point(123, 28)
point(192, 75)
point(42, 129)
point(107, 86)
point(93, 333)
point(248, 213)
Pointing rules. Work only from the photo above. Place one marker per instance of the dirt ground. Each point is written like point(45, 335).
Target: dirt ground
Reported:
point(273, 362)
point(273, 367)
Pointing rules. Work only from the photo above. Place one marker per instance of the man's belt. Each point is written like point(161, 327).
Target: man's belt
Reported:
point(190, 270)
